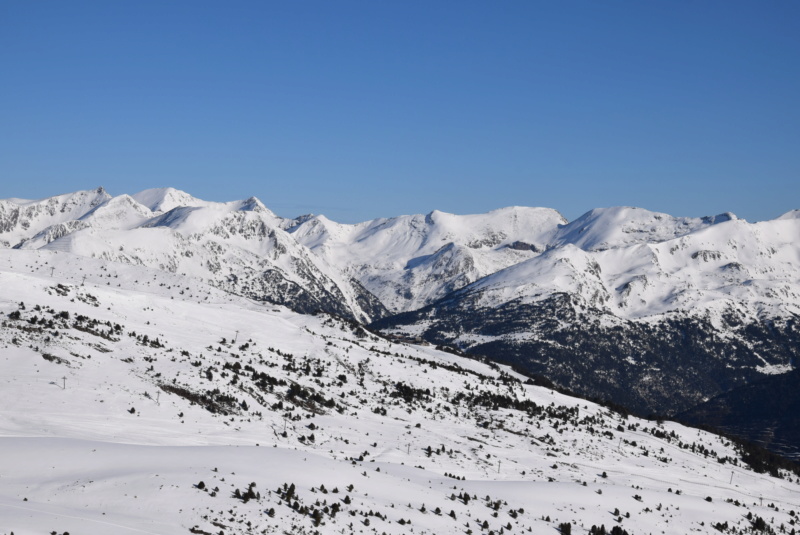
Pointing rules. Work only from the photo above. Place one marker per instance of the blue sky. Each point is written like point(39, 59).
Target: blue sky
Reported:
point(376, 108)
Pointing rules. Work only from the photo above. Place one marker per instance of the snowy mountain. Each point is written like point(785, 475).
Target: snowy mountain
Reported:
point(658, 318)
point(656, 312)
point(21, 219)
point(138, 400)
point(411, 261)
point(237, 246)
point(754, 265)
point(653, 311)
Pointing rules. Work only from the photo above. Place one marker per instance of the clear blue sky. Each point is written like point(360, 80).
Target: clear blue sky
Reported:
point(378, 108)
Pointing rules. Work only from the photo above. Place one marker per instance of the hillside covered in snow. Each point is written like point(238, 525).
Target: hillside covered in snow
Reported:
point(655, 312)
point(137, 400)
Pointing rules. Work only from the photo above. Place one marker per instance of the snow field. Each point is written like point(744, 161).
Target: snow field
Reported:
point(340, 407)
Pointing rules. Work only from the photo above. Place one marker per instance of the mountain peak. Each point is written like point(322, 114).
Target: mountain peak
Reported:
point(792, 214)
point(165, 199)
point(720, 218)
point(620, 226)
point(253, 204)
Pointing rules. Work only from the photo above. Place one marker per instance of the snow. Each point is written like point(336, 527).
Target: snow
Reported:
point(774, 369)
point(409, 261)
point(165, 199)
point(605, 228)
point(630, 262)
point(173, 231)
point(792, 214)
point(21, 221)
point(102, 431)
point(729, 264)
point(73, 457)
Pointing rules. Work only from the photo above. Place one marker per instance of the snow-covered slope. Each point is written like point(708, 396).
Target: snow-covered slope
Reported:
point(620, 226)
point(165, 199)
point(135, 400)
point(752, 266)
point(238, 246)
point(655, 311)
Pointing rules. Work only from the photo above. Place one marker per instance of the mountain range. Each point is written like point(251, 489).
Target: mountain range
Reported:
point(238, 246)
point(654, 312)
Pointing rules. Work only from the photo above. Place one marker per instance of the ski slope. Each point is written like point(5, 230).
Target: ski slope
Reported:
point(105, 431)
